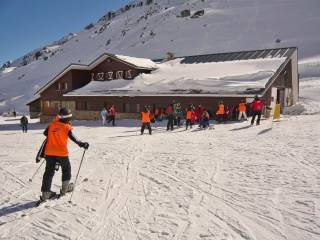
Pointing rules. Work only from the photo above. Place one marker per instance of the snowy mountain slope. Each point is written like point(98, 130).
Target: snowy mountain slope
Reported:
point(232, 183)
point(152, 30)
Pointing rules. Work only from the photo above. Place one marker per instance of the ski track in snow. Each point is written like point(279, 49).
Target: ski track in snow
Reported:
point(233, 182)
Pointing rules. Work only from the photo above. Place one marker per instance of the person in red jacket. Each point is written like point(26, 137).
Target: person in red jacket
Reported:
point(198, 113)
point(112, 115)
point(257, 106)
point(169, 112)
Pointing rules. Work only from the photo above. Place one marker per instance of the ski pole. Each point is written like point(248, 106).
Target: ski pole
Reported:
point(77, 174)
point(30, 179)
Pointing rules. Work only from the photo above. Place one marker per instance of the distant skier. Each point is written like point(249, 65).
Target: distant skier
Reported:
point(189, 115)
point(14, 112)
point(220, 112)
point(145, 118)
point(56, 152)
point(24, 123)
point(169, 112)
point(178, 113)
point(257, 106)
point(242, 110)
point(198, 112)
point(112, 115)
point(104, 116)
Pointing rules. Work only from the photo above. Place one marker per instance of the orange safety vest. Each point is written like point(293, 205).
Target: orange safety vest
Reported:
point(242, 107)
point(145, 117)
point(57, 144)
point(221, 109)
point(189, 115)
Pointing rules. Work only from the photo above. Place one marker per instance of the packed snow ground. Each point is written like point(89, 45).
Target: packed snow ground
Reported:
point(233, 182)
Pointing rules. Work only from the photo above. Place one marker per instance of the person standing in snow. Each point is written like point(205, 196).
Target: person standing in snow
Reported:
point(257, 106)
point(220, 112)
point(228, 113)
point(112, 115)
point(14, 112)
point(24, 123)
point(189, 114)
point(156, 114)
point(198, 112)
point(146, 119)
point(104, 115)
point(242, 110)
point(178, 113)
point(169, 112)
point(56, 152)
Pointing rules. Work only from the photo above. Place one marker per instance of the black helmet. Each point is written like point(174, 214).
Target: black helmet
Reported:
point(65, 113)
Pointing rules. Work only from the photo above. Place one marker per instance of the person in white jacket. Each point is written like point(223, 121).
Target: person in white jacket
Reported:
point(104, 115)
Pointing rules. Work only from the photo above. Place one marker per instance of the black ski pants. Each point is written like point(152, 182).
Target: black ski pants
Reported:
point(258, 113)
point(178, 121)
point(50, 170)
point(112, 118)
point(144, 125)
point(188, 123)
point(170, 122)
point(24, 128)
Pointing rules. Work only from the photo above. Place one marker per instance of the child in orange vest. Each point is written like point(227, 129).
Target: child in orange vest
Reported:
point(189, 118)
point(220, 112)
point(145, 118)
point(56, 152)
point(242, 110)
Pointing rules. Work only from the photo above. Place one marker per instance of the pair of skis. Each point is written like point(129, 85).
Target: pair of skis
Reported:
point(55, 196)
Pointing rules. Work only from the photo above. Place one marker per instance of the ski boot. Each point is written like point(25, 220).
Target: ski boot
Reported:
point(66, 187)
point(46, 196)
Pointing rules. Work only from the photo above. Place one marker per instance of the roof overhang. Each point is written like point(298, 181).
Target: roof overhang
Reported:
point(165, 95)
point(33, 100)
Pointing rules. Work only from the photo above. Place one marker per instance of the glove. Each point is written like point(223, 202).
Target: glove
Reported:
point(84, 145)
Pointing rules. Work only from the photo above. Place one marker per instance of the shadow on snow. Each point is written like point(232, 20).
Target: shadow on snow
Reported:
point(17, 208)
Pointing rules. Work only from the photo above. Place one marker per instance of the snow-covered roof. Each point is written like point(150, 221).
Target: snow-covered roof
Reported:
point(138, 62)
point(174, 77)
point(141, 63)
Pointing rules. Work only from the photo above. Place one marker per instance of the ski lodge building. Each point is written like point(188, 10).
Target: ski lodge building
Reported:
point(131, 83)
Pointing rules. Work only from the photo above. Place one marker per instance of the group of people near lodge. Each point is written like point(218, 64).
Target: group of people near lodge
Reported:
point(175, 113)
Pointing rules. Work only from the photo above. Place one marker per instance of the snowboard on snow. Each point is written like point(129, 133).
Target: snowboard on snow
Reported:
point(55, 195)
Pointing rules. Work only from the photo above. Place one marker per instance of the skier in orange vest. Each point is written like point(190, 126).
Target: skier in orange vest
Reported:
point(190, 112)
point(242, 110)
point(56, 152)
point(145, 118)
point(220, 112)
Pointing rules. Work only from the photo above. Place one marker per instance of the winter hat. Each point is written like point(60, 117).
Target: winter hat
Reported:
point(65, 113)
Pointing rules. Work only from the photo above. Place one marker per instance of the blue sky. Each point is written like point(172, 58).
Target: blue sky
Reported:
point(29, 24)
